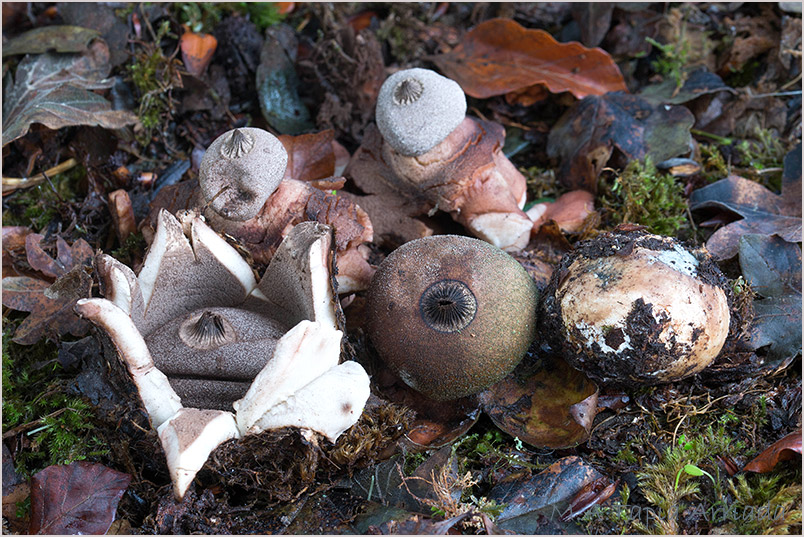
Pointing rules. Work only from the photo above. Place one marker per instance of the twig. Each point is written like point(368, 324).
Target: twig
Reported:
point(31, 424)
point(13, 183)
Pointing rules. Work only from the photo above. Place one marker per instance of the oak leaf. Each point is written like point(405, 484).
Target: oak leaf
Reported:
point(499, 56)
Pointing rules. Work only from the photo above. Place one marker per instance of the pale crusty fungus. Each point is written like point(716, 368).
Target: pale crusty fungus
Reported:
point(240, 169)
point(197, 313)
point(633, 308)
point(464, 173)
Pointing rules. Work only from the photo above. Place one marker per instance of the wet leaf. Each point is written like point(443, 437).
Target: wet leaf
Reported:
point(770, 264)
point(699, 82)
point(594, 20)
point(197, 51)
point(540, 500)
point(544, 402)
point(50, 38)
point(777, 322)
point(278, 89)
point(51, 306)
point(785, 449)
point(79, 498)
point(310, 156)
point(52, 89)
point(763, 211)
point(587, 133)
point(499, 55)
point(67, 257)
point(592, 494)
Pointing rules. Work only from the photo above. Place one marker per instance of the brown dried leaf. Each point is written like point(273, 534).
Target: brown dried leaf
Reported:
point(77, 499)
point(310, 156)
point(763, 211)
point(499, 55)
point(544, 402)
point(785, 449)
point(51, 306)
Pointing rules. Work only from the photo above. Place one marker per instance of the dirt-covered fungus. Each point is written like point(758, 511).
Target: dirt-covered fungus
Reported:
point(451, 315)
point(417, 109)
point(240, 169)
point(634, 308)
point(200, 337)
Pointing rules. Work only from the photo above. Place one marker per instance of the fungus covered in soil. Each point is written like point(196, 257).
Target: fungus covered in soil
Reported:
point(451, 315)
point(634, 308)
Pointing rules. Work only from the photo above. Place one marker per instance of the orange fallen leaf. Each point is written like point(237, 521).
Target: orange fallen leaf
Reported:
point(310, 156)
point(499, 56)
point(197, 51)
point(781, 450)
point(285, 7)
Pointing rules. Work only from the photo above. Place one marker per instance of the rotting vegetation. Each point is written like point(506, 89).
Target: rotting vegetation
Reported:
point(672, 446)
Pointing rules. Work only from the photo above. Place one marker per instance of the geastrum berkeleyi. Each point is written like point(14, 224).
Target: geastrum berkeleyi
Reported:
point(200, 337)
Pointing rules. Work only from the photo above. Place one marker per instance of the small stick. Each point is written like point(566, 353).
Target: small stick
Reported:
point(13, 183)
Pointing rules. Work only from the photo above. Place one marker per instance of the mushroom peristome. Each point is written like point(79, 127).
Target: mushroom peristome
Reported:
point(185, 284)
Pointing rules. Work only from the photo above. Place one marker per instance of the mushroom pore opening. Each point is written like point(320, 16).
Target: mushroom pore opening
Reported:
point(407, 91)
point(448, 306)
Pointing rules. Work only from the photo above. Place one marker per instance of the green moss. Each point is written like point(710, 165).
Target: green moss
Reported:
point(763, 158)
point(57, 424)
point(713, 163)
point(764, 505)
point(542, 185)
point(154, 75)
point(38, 206)
point(643, 195)
point(673, 58)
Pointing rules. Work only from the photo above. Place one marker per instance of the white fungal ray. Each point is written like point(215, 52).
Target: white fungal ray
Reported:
point(188, 438)
point(158, 397)
point(301, 384)
point(302, 355)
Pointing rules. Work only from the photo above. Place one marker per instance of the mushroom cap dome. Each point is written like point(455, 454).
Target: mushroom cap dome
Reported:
point(240, 169)
point(634, 308)
point(417, 109)
point(451, 315)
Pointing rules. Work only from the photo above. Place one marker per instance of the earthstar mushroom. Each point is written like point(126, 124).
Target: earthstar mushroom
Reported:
point(633, 308)
point(451, 315)
point(196, 311)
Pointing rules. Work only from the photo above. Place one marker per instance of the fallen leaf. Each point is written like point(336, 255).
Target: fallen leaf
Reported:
point(79, 498)
point(310, 156)
point(278, 87)
point(53, 89)
point(544, 402)
point(13, 245)
point(585, 136)
point(594, 20)
point(539, 501)
point(697, 83)
point(196, 51)
point(60, 38)
point(67, 257)
point(771, 265)
point(51, 306)
point(499, 55)
point(592, 494)
point(763, 211)
point(782, 450)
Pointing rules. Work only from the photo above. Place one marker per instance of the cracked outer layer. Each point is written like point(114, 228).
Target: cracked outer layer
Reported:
point(632, 308)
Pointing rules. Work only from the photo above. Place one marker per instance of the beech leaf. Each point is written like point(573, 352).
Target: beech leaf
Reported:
point(499, 56)
point(545, 403)
point(587, 133)
point(77, 499)
point(785, 449)
point(310, 156)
